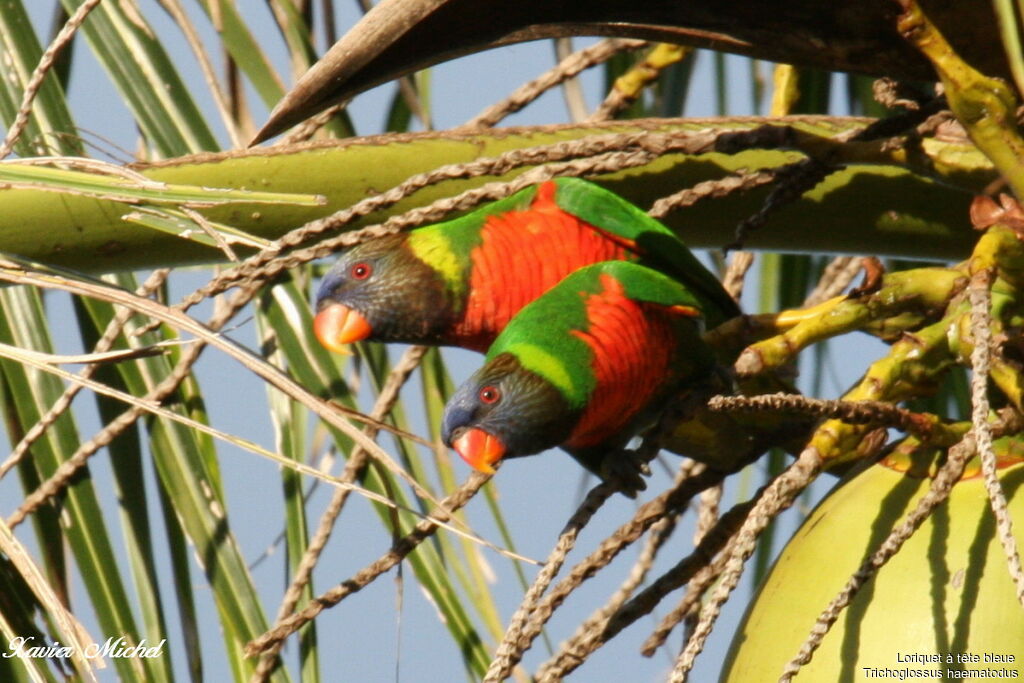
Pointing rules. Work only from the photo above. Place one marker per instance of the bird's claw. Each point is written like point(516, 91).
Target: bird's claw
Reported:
point(627, 469)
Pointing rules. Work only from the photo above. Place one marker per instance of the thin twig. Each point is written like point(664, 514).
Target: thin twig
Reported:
point(94, 358)
point(118, 425)
point(572, 89)
point(941, 486)
point(712, 189)
point(357, 459)
point(516, 638)
point(779, 495)
point(736, 273)
point(35, 81)
point(593, 165)
point(939, 491)
point(793, 181)
point(551, 669)
point(696, 478)
point(696, 564)
point(308, 128)
point(405, 545)
point(706, 518)
point(68, 469)
point(837, 276)
point(855, 412)
point(70, 629)
point(212, 232)
point(267, 263)
point(564, 70)
point(16, 273)
point(220, 100)
point(659, 534)
point(628, 88)
point(504, 654)
point(796, 179)
point(60, 406)
point(688, 604)
point(981, 357)
point(587, 156)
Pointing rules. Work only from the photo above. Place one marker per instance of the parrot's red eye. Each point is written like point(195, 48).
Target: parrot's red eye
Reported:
point(361, 271)
point(490, 394)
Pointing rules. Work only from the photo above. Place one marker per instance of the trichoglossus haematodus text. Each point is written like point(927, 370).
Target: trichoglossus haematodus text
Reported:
point(458, 283)
point(585, 367)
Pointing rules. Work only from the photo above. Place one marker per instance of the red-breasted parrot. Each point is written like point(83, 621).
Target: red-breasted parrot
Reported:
point(585, 367)
point(459, 282)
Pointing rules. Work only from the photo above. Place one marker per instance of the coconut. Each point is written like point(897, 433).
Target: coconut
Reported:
point(945, 606)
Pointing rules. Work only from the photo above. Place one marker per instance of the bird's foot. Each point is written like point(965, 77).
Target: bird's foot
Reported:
point(626, 468)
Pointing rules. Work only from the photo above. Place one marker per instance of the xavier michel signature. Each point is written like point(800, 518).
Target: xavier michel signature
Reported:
point(115, 648)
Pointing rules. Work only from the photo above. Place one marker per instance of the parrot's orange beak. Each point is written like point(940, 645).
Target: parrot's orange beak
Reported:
point(338, 325)
point(479, 449)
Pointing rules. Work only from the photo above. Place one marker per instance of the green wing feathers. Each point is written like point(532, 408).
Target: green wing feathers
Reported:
point(542, 334)
point(658, 245)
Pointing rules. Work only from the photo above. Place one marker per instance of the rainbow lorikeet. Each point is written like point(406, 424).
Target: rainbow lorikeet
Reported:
point(585, 367)
point(458, 283)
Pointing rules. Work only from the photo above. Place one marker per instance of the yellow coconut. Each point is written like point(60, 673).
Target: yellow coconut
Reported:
point(944, 608)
